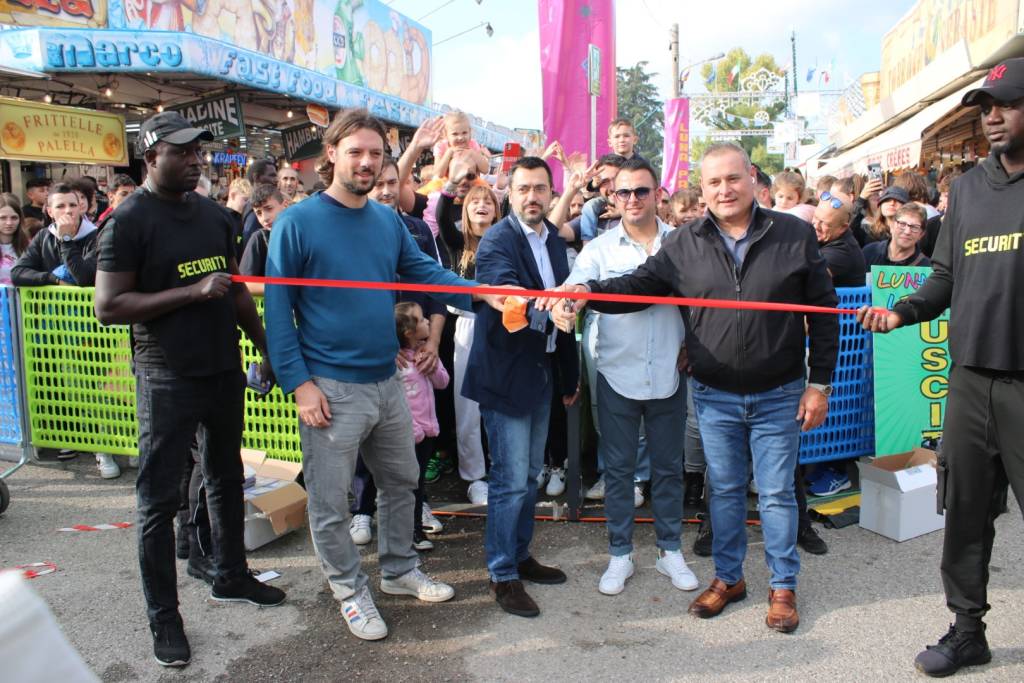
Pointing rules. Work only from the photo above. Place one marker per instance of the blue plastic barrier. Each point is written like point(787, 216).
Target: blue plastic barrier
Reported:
point(10, 398)
point(849, 430)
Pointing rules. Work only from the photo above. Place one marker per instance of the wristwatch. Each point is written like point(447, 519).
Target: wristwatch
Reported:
point(66, 238)
point(823, 388)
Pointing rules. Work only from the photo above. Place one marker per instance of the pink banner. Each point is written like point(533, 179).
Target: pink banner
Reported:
point(567, 29)
point(676, 155)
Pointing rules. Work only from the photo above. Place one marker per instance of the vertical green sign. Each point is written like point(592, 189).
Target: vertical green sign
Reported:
point(911, 367)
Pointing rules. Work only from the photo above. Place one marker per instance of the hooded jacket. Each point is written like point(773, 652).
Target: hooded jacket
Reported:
point(743, 352)
point(50, 261)
point(978, 270)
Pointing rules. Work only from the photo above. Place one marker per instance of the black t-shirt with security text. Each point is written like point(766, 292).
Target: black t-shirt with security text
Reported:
point(169, 245)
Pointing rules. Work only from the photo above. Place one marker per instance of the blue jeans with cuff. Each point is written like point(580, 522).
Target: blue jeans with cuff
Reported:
point(765, 426)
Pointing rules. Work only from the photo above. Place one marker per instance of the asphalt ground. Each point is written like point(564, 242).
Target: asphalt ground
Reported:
point(866, 608)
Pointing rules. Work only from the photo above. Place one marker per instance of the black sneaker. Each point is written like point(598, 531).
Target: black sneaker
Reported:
point(702, 545)
point(954, 650)
point(67, 454)
point(246, 588)
point(201, 567)
point(170, 646)
point(421, 542)
point(809, 540)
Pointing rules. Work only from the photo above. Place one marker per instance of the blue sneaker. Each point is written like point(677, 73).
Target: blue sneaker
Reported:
point(816, 475)
point(829, 483)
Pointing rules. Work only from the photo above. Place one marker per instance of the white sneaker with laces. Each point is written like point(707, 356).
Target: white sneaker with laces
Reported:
point(638, 495)
point(596, 492)
point(671, 564)
point(431, 524)
point(542, 476)
point(556, 484)
point(620, 568)
point(107, 466)
point(478, 492)
point(418, 585)
point(359, 529)
point(362, 616)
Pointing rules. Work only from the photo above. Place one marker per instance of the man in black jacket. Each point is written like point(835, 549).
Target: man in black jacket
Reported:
point(65, 252)
point(749, 377)
point(978, 273)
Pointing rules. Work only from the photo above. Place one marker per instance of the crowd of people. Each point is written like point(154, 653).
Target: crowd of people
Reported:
point(392, 393)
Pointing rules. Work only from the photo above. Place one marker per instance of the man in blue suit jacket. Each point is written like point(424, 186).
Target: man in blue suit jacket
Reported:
point(510, 376)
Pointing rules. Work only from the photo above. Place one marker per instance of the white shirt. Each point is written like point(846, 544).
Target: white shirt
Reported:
point(636, 352)
point(538, 245)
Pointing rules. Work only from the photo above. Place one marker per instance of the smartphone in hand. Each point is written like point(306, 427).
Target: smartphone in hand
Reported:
point(255, 380)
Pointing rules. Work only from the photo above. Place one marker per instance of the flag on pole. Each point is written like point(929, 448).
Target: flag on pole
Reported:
point(734, 72)
point(714, 74)
point(683, 77)
point(810, 74)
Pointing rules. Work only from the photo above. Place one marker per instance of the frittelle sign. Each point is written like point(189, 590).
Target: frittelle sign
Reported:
point(45, 132)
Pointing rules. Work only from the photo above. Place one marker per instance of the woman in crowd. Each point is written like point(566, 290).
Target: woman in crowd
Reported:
point(903, 248)
point(889, 203)
point(13, 238)
point(479, 212)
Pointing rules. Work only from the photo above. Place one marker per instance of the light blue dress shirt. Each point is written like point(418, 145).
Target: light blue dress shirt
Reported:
point(636, 352)
point(538, 245)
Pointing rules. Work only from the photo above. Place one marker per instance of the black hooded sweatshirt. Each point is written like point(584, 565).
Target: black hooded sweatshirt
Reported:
point(978, 270)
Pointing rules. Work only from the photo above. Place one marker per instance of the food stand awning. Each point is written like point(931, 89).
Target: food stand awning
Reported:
point(899, 147)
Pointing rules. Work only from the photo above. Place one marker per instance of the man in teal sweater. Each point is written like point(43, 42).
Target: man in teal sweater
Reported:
point(335, 348)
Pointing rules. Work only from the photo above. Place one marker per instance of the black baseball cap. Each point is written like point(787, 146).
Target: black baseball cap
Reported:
point(897, 193)
point(172, 127)
point(1004, 82)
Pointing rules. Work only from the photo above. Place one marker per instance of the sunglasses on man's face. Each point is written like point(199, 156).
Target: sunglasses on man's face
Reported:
point(834, 202)
point(641, 193)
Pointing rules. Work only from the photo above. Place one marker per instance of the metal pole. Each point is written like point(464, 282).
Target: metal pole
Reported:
point(796, 88)
point(674, 48)
point(593, 128)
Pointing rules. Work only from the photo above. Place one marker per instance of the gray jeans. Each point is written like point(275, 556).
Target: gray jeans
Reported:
point(373, 419)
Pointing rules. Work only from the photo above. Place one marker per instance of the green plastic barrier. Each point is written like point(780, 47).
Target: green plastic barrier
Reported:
point(81, 392)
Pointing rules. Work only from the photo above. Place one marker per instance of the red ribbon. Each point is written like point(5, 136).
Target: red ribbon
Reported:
point(532, 293)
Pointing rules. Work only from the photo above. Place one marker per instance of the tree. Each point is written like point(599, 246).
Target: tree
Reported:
point(638, 101)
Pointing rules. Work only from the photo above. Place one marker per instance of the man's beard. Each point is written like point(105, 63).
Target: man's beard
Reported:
point(351, 186)
point(1009, 147)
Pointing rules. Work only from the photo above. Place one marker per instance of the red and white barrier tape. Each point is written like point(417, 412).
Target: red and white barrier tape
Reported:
point(98, 527)
point(34, 569)
point(534, 293)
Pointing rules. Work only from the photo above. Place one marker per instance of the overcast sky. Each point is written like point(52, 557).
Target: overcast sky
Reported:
point(498, 78)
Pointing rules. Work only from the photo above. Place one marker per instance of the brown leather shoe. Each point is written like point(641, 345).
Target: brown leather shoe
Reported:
point(782, 614)
point(532, 570)
point(711, 602)
point(513, 598)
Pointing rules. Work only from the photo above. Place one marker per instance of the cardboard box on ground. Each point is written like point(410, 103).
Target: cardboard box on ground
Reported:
point(898, 494)
point(274, 503)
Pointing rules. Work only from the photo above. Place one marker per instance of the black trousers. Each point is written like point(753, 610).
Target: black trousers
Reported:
point(193, 517)
point(983, 445)
point(424, 449)
point(170, 408)
point(364, 491)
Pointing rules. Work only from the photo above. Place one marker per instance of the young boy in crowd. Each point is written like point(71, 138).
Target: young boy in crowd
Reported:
point(413, 331)
point(267, 202)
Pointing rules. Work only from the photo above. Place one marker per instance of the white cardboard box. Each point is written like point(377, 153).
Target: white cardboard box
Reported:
point(897, 497)
point(275, 504)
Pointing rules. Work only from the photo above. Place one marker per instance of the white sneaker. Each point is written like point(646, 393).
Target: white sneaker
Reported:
point(596, 492)
point(671, 564)
point(362, 616)
point(431, 524)
point(359, 529)
point(478, 492)
point(620, 568)
point(107, 466)
point(542, 476)
point(556, 484)
point(418, 585)
point(638, 495)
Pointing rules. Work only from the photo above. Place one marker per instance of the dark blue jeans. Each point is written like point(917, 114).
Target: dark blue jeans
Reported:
point(664, 421)
point(170, 408)
point(517, 455)
point(764, 426)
